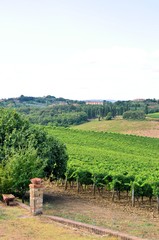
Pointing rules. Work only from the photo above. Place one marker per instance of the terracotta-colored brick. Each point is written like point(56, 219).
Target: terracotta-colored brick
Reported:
point(36, 196)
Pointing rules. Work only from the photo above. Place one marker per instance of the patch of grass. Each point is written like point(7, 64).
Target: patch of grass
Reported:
point(10, 212)
point(119, 126)
point(153, 115)
point(51, 209)
point(20, 225)
point(83, 218)
point(2, 214)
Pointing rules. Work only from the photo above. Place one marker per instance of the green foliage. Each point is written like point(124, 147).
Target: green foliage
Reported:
point(155, 187)
point(119, 182)
point(54, 111)
point(27, 151)
point(153, 115)
point(114, 160)
point(109, 116)
point(5, 181)
point(84, 177)
point(21, 167)
point(12, 128)
point(134, 115)
point(147, 189)
point(100, 179)
point(57, 157)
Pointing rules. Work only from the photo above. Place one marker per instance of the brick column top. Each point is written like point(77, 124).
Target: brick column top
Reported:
point(36, 183)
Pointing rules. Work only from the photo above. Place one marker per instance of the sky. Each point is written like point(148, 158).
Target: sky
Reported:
point(79, 49)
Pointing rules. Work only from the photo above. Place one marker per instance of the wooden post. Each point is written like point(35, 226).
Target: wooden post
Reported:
point(78, 185)
point(66, 183)
point(158, 204)
point(133, 196)
point(94, 189)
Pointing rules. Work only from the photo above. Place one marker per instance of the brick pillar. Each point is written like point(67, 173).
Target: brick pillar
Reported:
point(36, 196)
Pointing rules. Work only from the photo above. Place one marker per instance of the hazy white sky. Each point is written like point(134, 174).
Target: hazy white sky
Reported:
point(79, 49)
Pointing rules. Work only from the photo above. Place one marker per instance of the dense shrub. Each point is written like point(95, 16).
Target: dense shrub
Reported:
point(134, 115)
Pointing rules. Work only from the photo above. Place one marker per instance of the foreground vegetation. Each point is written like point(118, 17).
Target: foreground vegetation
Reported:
point(26, 152)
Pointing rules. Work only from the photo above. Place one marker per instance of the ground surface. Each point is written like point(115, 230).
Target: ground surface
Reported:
point(140, 221)
point(17, 224)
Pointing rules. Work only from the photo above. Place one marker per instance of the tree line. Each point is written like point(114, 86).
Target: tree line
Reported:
point(54, 111)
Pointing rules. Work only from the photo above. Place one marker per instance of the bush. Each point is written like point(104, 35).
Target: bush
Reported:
point(134, 115)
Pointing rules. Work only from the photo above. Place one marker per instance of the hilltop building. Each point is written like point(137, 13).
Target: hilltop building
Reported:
point(93, 102)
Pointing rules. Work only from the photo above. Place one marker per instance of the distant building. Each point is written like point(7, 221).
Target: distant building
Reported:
point(139, 100)
point(91, 102)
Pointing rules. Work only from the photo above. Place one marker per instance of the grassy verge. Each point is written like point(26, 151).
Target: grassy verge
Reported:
point(17, 223)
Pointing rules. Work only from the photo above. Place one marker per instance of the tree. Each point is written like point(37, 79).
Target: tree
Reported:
point(21, 167)
point(21, 145)
point(146, 109)
point(109, 116)
point(134, 115)
point(12, 129)
point(57, 157)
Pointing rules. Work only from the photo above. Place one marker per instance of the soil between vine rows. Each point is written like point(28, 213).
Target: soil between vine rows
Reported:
point(141, 221)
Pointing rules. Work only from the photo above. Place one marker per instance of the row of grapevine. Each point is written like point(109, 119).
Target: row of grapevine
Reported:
point(112, 161)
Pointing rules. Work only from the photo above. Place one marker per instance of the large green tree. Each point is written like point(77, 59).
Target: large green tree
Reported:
point(134, 115)
point(27, 151)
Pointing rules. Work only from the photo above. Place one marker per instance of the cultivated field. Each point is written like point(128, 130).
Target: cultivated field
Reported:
point(141, 128)
point(117, 156)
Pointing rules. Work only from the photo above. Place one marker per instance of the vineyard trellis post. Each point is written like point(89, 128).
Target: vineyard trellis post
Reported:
point(133, 195)
point(158, 203)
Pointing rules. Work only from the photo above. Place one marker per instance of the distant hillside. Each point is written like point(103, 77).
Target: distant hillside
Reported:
point(151, 104)
point(35, 101)
point(49, 110)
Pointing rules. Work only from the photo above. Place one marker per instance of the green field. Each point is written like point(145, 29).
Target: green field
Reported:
point(110, 153)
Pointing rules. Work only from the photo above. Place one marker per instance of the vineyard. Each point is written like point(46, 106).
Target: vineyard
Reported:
point(112, 161)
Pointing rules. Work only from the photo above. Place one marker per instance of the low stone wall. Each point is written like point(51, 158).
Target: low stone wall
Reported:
point(23, 206)
point(87, 227)
point(93, 229)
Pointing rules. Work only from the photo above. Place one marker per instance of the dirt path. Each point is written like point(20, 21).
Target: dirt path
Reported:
point(140, 221)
